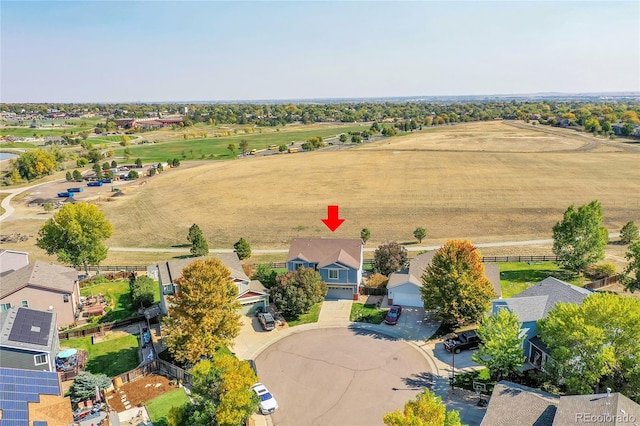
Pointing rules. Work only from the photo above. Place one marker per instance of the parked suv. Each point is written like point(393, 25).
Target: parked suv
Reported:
point(267, 321)
point(466, 340)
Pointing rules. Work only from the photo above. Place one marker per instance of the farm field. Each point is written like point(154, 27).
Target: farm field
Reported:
point(484, 196)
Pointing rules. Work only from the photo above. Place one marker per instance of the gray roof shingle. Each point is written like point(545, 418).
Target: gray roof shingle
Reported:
point(512, 404)
point(556, 291)
point(612, 410)
point(40, 274)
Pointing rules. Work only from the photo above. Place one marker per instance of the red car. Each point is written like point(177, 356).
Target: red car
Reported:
point(393, 315)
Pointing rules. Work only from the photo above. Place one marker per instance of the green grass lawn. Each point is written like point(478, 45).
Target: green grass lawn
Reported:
point(118, 291)
point(216, 148)
point(367, 313)
point(309, 317)
point(158, 408)
point(516, 277)
point(111, 357)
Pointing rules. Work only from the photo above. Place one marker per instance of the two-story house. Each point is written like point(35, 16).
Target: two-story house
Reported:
point(44, 286)
point(251, 293)
point(339, 262)
point(28, 339)
point(534, 304)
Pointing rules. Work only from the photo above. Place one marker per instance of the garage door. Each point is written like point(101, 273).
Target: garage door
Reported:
point(250, 309)
point(404, 299)
point(339, 293)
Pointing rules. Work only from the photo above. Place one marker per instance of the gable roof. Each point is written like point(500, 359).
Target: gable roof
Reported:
point(612, 409)
point(325, 251)
point(527, 308)
point(28, 329)
point(40, 274)
point(171, 270)
point(514, 404)
point(556, 291)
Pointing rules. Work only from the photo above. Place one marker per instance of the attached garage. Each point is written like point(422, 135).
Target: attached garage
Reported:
point(335, 292)
point(251, 309)
point(407, 294)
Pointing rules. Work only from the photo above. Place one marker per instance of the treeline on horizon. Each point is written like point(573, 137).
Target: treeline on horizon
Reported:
point(429, 113)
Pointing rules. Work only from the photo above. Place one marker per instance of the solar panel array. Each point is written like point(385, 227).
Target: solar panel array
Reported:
point(31, 326)
point(18, 388)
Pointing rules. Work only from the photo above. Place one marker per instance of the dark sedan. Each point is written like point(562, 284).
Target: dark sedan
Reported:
point(393, 315)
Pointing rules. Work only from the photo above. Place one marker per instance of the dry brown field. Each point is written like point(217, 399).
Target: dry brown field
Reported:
point(486, 182)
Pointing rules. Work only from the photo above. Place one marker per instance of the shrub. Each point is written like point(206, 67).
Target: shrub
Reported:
point(378, 281)
point(601, 270)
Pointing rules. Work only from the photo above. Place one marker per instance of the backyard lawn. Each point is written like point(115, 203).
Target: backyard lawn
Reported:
point(367, 313)
point(309, 317)
point(118, 292)
point(516, 277)
point(110, 357)
point(158, 408)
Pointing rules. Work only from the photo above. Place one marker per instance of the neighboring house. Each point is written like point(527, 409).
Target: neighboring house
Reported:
point(339, 262)
point(404, 286)
point(601, 408)
point(29, 339)
point(33, 398)
point(43, 286)
point(251, 293)
point(514, 404)
point(534, 304)
point(11, 260)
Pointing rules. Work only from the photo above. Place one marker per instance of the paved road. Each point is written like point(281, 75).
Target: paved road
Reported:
point(338, 376)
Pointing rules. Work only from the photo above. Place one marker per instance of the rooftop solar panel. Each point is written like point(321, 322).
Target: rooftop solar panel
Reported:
point(31, 326)
point(19, 387)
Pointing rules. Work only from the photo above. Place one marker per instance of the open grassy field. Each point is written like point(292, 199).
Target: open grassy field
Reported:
point(485, 196)
point(216, 148)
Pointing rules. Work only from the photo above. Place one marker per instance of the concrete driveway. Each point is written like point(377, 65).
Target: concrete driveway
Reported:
point(413, 325)
point(340, 376)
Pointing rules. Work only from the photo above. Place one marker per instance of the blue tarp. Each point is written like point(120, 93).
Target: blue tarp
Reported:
point(67, 353)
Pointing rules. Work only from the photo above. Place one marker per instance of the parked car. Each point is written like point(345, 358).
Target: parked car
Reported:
point(267, 321)
point(393, 315)
point(268, 403)
point(466, 340)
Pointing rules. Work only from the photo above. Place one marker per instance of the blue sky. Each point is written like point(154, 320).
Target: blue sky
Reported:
point(111, 51)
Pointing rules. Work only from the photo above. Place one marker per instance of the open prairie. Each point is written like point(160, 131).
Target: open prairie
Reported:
point(391, 187)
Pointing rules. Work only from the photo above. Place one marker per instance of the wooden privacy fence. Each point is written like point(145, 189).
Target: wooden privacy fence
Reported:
point(373, 291)
point(603, 282)
point(156, 366)
point(99, 329)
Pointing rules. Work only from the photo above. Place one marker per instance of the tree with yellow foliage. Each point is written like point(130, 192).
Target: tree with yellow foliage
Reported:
point(426, 410)
point(204, 312)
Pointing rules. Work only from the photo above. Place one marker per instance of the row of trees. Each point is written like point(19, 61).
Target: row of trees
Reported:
point(200, 247)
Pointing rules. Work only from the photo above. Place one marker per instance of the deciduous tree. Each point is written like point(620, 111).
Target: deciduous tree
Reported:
point(455, 285)
point(420, 234)
point(244, 145)
point(501, 347)
point(266, 275)
point(75, 235)
point(203, 315)
point(389, 257)
point(426, 410)
point(631, 278)
point(594, 345)
point(297, 291)
point(242, 248)
point(579, 239)
point(142, 290)
point(629, 232)
point(35, 163)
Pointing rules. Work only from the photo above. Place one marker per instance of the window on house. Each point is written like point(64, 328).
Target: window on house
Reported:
point(41, 359)
point(297, 265)
point(333, 274)
point(167, 289)
point(25, 303)
point(65, 298)
point(5, 307)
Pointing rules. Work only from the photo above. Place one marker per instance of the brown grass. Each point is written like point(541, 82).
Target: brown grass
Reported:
point(390, 187)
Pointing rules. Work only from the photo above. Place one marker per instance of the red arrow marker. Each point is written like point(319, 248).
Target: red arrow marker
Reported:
point(332, 220)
